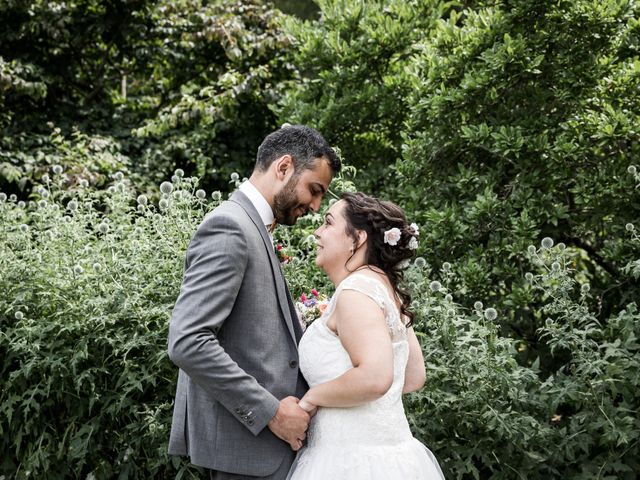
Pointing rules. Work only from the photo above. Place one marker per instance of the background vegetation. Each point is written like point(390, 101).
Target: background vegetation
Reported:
point(507, 130)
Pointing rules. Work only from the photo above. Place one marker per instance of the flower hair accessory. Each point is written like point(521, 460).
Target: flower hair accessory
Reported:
point(392, 237)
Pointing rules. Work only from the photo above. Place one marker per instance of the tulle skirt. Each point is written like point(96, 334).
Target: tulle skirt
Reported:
point(408, 460)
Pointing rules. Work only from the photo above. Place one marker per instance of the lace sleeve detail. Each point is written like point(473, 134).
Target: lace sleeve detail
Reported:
point(368, 286)
point(375, 290)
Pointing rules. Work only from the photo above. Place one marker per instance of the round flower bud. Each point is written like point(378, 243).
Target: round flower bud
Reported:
point(166, 188)
point(57, 169)
point(531, 249)
point(163, 204)
point(179, 172)
point(18, 315)
point(175, 178)
point(547, 242)
point(77, 269)
point(45, 178)
point(235, 177)
point(490, 314)
point(111, 189)
point(137, 231)
point(420, 262)
point(72, 205)
point(142, 200)
point(478, 305)
point(561, 246)
point(140, 208)
point(451, 312)
point(631, 169)
point(42, 203)
point(201, 194)
point(66, 219)
point(528, 276)
point(120, 187)
point(216, 196)
point(119, 176)
point(448, 297)
point(21, 204)
point(44, 193)
point(585, 288)
point(84, 183)
point(103, 227)
point(3, 197)
point(548, 322)
point(435, 286)
point(97, 267)
point(473, 350)
point(446, 266)
point(24, 228)
point(13, 197)
point(630, 227)
point(555, 266)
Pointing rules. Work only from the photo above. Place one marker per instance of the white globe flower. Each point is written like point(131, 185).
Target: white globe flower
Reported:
point(478, 305)
point(57, 169)
point(585, 288)
point(531, 249)
point(42, 203)
point(166, 188)
point(72, 205)
point(216, 196)
point(490, 314)
point(448, 297)
point(24, 228)
point(21, 204)
point(420, 262)
point(103, 227)
point(446, 266)
point(3, 197)
point(111, 189)
point(18, 315)
point(119, 176)
point(235, 177)
point(163, 204)
point(555, 266)
point(175, 178)
point(45, 178)
point(84, 183)
point(528, 276)
point(97, 267)
point(120, 187)
point(435, 286)
point(201, 194)
point(547, 242)
point(13, 197)
point(77, 269)
point(631, 169)
point(630, 227)
point(142, 200)
point(179, 172)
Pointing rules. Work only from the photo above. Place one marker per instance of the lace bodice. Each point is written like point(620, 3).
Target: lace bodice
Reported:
point(323, 358)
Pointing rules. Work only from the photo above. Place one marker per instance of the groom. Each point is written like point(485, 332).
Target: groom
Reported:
point(234, 330)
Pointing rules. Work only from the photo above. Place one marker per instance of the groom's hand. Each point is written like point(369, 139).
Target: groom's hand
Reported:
point(290, 422)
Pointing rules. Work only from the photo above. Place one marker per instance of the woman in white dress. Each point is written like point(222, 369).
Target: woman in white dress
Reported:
point(362, 354)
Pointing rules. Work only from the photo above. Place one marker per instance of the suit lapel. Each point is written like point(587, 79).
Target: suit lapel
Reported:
point(284, 298)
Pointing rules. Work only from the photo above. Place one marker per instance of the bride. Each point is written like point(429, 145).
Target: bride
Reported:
point(362, 354)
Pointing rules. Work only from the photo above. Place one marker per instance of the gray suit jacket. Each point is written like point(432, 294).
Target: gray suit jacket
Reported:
point(234, 335)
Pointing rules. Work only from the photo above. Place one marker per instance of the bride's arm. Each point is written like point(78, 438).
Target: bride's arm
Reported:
point(363, 332)
point(415, 374)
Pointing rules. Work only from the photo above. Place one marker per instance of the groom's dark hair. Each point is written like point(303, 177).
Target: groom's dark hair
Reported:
point(304, 144)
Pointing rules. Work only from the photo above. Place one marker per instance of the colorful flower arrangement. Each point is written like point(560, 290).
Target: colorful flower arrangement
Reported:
point(280, 253)
point(311, 307)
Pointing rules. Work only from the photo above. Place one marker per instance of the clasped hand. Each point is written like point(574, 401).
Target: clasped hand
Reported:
point(291, 421)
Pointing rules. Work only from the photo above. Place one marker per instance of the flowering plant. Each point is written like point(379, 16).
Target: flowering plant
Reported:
point(311, 307)
point(282, 256)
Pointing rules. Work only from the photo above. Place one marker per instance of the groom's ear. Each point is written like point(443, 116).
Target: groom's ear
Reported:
point(283, 166)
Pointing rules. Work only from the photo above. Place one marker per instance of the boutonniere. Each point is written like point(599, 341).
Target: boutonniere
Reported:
point(282, 256)
point(311, 307)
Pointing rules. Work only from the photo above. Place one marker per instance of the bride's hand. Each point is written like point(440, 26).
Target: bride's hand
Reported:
point(308, 407)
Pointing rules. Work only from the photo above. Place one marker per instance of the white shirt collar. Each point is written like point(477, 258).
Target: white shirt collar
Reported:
point(259, 202)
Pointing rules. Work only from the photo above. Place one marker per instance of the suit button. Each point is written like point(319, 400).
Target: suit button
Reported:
point(293, 363)
point(250, 422)
point(238, 410)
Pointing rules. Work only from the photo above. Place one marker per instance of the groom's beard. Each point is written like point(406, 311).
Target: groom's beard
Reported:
point(286, 207)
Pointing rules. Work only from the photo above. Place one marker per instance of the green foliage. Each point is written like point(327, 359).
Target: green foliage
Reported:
point(88, 284)
point(193, 79)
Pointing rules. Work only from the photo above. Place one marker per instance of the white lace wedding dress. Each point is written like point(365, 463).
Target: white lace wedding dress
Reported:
point(371, 441)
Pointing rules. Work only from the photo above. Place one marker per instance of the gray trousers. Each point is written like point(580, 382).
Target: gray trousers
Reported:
point(279, 474)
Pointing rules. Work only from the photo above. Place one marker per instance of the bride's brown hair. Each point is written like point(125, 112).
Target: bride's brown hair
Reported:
point(363, 212)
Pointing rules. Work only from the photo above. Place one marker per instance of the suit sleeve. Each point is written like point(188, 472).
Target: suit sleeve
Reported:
point(214, 269)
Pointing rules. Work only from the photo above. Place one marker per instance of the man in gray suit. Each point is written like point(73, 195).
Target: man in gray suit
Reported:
point(234, 330)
